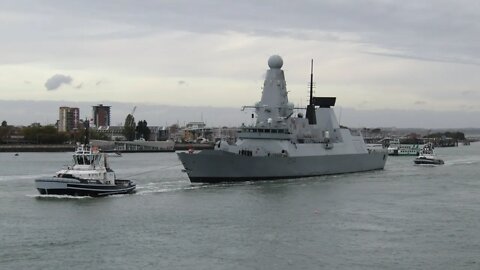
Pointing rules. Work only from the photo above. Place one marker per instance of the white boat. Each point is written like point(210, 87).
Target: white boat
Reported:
point(395, 148)
point(427, 156)
point(90, 175)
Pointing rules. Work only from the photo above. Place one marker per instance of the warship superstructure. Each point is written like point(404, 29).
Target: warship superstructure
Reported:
point(284, 145)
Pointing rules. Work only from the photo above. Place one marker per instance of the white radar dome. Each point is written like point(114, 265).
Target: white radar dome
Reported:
point(275, 61)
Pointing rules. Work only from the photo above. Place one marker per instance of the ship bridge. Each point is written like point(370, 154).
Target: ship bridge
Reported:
point(264, 133)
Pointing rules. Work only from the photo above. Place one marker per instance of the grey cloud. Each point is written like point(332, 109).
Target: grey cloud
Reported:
point(442, 59)
point(57, 80)
point(439, 30)
point(469, 93)
point(182, 82)
point(79, 86)
point(363, 103)
point(420, 102)
point(427, 30)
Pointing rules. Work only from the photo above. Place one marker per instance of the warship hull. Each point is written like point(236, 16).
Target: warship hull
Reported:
point(72, 187)
point(210, 166)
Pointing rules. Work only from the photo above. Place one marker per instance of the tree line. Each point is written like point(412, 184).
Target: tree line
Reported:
point(133, 131)
point(49, 134)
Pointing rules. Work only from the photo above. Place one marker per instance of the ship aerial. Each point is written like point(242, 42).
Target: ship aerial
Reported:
point(283, 145)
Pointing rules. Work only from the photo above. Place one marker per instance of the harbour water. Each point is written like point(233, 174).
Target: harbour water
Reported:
point(403, 217)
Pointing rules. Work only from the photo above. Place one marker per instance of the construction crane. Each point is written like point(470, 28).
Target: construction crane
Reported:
point(130, 125)
point(132, 118)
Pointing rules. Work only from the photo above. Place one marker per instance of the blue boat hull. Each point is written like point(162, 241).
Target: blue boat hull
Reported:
point(73, 187)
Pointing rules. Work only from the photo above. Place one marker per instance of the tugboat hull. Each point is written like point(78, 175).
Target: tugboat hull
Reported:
point(73, 187)
point(422, 161)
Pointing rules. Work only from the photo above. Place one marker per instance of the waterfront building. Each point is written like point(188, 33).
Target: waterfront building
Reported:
point(115, 133)
point(101, 115)
point(68, 119)
point(196, 131)
point(158, 133)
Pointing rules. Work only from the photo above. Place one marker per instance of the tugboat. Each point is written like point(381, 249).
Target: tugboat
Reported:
point(90, 175)
point(284, 145)
point(427, 156)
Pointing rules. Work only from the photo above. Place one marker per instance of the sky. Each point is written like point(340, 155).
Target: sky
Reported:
point(373, 55)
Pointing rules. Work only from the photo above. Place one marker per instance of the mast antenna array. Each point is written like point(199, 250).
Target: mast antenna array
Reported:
point(312, 119)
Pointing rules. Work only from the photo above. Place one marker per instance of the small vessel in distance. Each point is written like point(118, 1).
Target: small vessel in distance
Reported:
point(90, 175)
point(284, 145)
point(427, 156)
point(395, 148)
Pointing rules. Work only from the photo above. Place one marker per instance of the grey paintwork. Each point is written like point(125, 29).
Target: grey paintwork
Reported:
point(281, 145)
point(224, 166)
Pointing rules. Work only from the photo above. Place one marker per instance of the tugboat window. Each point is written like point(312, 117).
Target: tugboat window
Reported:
point(80, 160)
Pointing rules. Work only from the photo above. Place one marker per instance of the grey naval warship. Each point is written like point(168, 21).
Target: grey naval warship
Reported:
point(283, 145)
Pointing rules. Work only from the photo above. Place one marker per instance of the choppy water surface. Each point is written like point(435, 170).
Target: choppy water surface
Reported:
point(404, 217)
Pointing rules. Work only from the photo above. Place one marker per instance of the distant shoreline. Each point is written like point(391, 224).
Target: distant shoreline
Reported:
point(37, 148)
point(13, 148)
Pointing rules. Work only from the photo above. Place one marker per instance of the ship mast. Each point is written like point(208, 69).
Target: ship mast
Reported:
point(87, 131)
point(312, 119)
point(311, 84)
